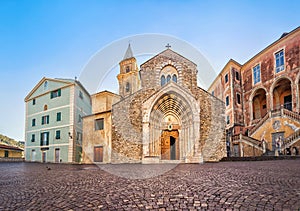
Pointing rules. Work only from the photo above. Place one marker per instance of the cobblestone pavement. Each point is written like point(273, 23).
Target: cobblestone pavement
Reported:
point(263, 185)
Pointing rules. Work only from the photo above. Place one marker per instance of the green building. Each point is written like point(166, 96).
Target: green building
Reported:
point(53, 126)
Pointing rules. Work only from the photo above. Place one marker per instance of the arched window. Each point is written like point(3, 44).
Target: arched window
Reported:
point(174, 78)
point(168, 78)
point(45, 107)
point(127, 69)
point(127, 87)
point(162, 80)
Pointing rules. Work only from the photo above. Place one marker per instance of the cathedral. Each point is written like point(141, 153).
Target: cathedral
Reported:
point(160, 115)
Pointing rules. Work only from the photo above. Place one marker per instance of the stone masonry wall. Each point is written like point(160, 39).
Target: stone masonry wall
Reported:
point(212, 126)
point(187, 70)
point(127, 128)
point(249, 151)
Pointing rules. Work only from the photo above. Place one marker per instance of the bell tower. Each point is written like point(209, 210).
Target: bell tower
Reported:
point(129, 79)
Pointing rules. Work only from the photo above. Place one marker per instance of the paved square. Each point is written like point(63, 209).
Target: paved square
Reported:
point(263, 185)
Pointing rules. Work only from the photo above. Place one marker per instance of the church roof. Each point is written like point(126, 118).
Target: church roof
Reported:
point(128, 53)
point(168, 53)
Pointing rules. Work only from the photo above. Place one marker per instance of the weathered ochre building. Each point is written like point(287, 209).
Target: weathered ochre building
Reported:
point(262, 100)
point(7, 151)
point(160, 115)
point(97, 128)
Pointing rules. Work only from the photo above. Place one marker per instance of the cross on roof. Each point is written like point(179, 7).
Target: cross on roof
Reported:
point(168, 46)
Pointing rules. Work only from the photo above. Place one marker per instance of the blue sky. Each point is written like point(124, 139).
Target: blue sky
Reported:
point(57, 38)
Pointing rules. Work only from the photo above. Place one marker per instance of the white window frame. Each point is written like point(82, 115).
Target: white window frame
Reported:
point(280, 68)
point(253, 74)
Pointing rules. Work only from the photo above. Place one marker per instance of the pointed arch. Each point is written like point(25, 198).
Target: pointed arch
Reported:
point(174, 78)
point(174, 107)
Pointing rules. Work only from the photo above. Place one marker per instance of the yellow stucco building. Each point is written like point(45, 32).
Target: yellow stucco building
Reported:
point(10, 151)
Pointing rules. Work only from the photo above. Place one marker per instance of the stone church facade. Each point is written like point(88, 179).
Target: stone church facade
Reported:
point(160, 115)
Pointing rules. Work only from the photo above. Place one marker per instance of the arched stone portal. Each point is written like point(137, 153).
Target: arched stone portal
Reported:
point(171, 125)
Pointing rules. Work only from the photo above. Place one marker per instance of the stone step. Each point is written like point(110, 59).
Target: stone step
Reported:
point(172, 161)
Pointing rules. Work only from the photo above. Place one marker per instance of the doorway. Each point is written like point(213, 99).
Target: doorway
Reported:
point(57, 155)
point(288, 102)
point(277, 141)
point(236, 150)
point(44, 157)
point(170, 145)
point(98, 154)
point(33, 154)
point(173, 148)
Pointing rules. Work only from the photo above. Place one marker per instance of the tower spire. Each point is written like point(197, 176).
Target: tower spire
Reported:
point(128, 53)
point(129, 76)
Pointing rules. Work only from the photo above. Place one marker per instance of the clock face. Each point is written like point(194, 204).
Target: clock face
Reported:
point(276, 125)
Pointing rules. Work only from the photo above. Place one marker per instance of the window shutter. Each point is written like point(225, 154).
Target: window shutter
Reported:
point(47, 117)
point(59, 92)
point(58, 116)
point(43, 120)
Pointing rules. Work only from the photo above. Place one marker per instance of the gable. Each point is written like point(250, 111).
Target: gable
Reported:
point(168, 55)
point(45, 86)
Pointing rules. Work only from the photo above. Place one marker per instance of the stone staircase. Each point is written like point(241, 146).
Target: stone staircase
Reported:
point(290, 140)
point(292, 115)
point(260, 123)
point(248, 140)
point(281, 112)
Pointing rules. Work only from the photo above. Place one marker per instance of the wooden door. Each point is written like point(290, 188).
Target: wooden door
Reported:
point(98, 154)
point(56, 155)
point(169, 145)
point(165, 148)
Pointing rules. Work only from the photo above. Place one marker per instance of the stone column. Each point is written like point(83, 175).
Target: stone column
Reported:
point(150, 139)
point(180, 145)
point(188, 140)
point(146, 139)
point(268, 102)
point(251, 110)
point(196, 136)
point(155, 141)
point(241, 150)
point(271, 100)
